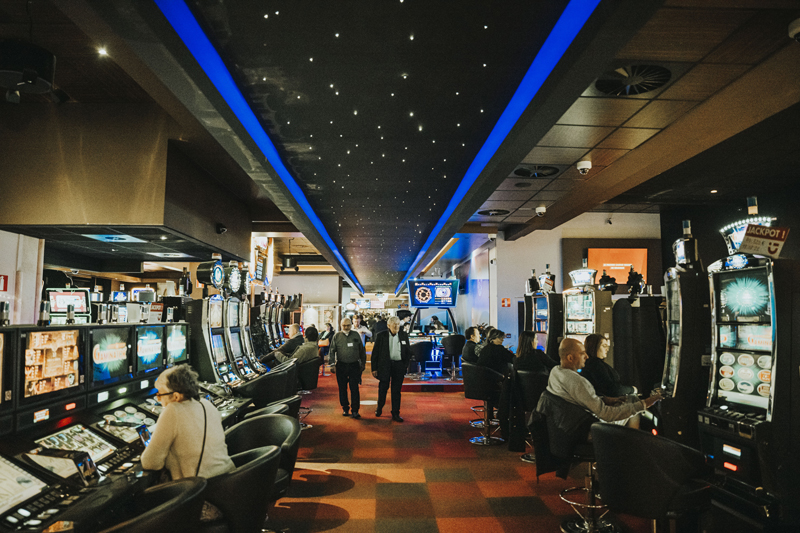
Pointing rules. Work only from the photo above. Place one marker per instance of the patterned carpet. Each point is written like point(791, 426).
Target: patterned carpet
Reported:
point(420, 476)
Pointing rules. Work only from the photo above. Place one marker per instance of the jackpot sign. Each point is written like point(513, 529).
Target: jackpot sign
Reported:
point(763, 240)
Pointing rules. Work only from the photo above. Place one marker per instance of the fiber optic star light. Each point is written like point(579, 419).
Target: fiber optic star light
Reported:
point(745, 296)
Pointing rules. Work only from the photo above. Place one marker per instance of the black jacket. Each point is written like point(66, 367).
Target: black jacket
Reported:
point(381, 360)
point(496, 357)
point(605, 379)
point(468, 353)
point(536, 361)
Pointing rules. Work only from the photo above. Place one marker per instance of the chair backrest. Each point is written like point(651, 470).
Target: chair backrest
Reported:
point(640, 474)
point(453, 345)
point(567, 424)
point(276, 408)
point(266, 389)
point(243, 495)
point(480, 382)
point(532, 384)
point(291, 378)
point(267, 430)
point(422, 351)
point(173, 507)
point(308, 374)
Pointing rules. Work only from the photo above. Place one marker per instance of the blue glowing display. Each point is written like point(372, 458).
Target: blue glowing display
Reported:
point(149, 347)
point(743, 295)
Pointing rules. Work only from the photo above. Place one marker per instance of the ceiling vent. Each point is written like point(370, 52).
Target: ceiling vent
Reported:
point(632, 80)
point(493, 212)
point(536, 171)
point(26, 68)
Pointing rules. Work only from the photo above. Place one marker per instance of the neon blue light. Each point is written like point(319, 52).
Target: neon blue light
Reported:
point(564, 32)
point(187, 28)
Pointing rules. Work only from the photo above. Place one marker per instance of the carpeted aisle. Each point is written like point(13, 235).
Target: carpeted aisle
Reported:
point(420, 476)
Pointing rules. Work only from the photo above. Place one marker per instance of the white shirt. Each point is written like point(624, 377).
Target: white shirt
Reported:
point(363, 331)
point(394, 347)
point(574, 388)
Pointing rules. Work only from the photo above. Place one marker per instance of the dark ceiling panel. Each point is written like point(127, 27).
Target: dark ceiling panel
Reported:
point(604, 156)
point(703, 81)
point(659, 114)
point(575, 136)
point(543, 155)
point(627, 138)
point(522, 184)
point(601, 111)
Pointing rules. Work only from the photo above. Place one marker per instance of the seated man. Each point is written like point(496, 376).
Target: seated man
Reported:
point(306, 352)
point(566, 383)
point(288, 348)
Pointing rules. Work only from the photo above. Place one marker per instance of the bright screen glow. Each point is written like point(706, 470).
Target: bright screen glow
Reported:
point(109, 352)
point(215, 313)
point(218, 349)
point(233, 314)
point(744, 378)
point(580, 307)
point(236, 347)
point(149, 347)
point(79, 438)
point(744, 296)
point(428, 293)
point(541, 308)
point(541, 341)
point(16, 485)
point(60, 299)
point(617, 262)
point(52, 361)
point(176, 344)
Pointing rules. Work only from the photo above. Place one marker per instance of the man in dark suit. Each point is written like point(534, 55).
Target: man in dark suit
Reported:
point(390, 356)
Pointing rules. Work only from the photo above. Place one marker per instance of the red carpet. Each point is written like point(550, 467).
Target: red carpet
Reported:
point(420, 476)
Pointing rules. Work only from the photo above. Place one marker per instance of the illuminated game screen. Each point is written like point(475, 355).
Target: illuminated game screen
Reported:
point(236, 346)
point(109, 354)
point(583, 328)
point(744, 378)
point(433, 293)
point(52, 362)
point(233, 314)
point(215, 313)
point(617, 262)
point(743, 296)
point(580, 307)
point(364, 304)
point(746, 337)
point(218, 349)
point(16, 485)
point(79, 438)
point(149, 347)
point(176, 344)
point(541, 308)
point(60, 299)
point(680, 252)
point(541, 341)
point(128, 414)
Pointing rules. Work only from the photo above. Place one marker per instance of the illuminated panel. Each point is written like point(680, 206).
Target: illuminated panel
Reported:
point(730, 466)
point(16, 485)
point(730, 450)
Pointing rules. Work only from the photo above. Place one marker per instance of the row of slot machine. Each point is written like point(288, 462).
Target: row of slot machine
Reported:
point(730, 378)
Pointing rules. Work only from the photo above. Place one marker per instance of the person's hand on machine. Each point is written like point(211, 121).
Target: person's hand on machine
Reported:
point(654, 397)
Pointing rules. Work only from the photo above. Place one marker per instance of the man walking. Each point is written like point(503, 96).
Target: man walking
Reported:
point(348, 360)
point(390, 356)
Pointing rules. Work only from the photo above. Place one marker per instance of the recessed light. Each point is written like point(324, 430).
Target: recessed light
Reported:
point(411, 37)
point(312, 59)
point(714, 191)
point(337, 35)
point(266, 16)
point(163, 237)
point(102, 51)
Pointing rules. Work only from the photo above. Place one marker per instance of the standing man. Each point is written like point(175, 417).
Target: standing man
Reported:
point(361, 329)
point(348, 360)
point(390, 356)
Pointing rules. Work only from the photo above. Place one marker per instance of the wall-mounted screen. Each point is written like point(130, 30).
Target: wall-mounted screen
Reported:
point(52, 361)
point(176, 344)
point(215, 313)
point(743, 296)
point(149, 348)
point(364, 303)
point(579, 307)
point(218, 349)
point(744, 378)
point(617, 262)
point(119, 296)
point(60, 299)
point(109, 350)
point(233, 314)
point(16, 485)
point(429, 293)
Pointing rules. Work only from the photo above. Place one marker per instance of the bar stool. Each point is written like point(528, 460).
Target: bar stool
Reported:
point(421, 351)
point(482, 383)
point(453, 345)
point(532, 385)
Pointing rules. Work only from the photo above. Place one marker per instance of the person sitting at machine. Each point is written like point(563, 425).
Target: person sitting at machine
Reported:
point(531, 358)
point(436, 324)
point(482, 343)
point(566, 383)
point(606, 380)
point(473, 336)
point(288, 348)
point(306, 352)
point(494, 355)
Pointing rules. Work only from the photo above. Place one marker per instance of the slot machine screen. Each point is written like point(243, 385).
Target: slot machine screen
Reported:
point(744, 378)
point(680, 252)
point(236, 347)
point(61, 298)
point(743, 296)
point(233, 314)
point(215, 313)
point(541, 341)
point(218, 349)
point(16, 485)
point(110, 355)
point(176, 344)
point(580, 307)
point(541, 308)
point(79, 438)
point(149, 348)
point(53, 361)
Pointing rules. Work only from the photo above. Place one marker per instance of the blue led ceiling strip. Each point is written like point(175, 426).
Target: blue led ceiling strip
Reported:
point(187, 28)
point(564, 32)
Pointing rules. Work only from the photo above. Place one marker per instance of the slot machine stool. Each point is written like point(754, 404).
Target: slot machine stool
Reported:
point(483, 383)
point(453, 345)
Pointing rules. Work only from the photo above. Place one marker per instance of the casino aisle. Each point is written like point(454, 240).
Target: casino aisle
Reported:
point(419, 476)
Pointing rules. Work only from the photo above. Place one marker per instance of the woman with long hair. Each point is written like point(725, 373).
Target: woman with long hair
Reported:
point(605, 379)
point(529, 357)
point(494, 355)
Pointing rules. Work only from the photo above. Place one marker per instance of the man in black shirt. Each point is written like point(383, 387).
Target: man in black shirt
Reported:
point(473, 335)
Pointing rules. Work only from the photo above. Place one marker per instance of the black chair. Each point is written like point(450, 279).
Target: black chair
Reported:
point(243, 495)
point(532, 385)
point(452, 345)
point(270, 388)
point(290, 367)
point(650, 477)
point(307, 380)
point(420, 353)
point(483, 383)
point(174, 507)
point(269, 430)
point(256, 389)
point(276, 408)
point(292, 404)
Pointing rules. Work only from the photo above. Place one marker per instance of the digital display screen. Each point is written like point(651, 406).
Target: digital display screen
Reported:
point(16, 485)
point(743, 296)
point(119, 296)
point(744, 378)
point(580, 327)
point(52, 361)
point(746, 337)
point(236, 346)
point(541, 308)
point(79, 438)
point(127, 415)
point(541, 341)
point(215, 313)
point(579, 307)
point(617, 262)
point(109, 353)
point(176, 344)
point(233, 314)
point(433, 293)
point(218, 349)
point(149, 347)
point(680, 252)
point(364, 304)
point(61, 298)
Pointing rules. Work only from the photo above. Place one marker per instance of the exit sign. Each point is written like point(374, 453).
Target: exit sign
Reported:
point(3, 283)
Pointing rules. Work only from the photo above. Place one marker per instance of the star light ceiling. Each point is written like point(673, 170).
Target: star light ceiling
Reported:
point(373, 105)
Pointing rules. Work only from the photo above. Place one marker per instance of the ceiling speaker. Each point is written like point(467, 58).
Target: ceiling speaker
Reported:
point(26, 68)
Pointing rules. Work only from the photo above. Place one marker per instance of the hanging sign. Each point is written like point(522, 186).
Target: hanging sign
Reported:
point(763, 240)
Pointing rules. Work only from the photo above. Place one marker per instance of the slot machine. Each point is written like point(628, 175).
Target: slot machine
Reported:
point(233, 339)
point(208, 354)
point(684, 379)
point(246, 333)
point(277, 322)
point(587, 309)
point(544, 314)
point(750, 425)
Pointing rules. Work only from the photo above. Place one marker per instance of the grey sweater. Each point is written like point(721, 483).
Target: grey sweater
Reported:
point(576, 389)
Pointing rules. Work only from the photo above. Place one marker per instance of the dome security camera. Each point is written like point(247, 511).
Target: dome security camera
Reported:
point(540, 211)
point(584, 167)
point(794, 30)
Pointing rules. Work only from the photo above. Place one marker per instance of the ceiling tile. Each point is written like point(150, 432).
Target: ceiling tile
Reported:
point(703, 81)
point(575, 136)
point(556, 156)
point(660, 114)
point(533, 204)
point(481, 218)
point(682, 34)
point(547, 196)
point(601, 111)
point(604, 157)
point(763, 34)
point(516, 219)
point(503, 205)
point(563, 184)
point(510, 184)
point(573, 174)
point(502, 196)
point(627, 138)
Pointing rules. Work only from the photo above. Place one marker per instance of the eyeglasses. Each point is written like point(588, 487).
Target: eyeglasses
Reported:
point(160, 394)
